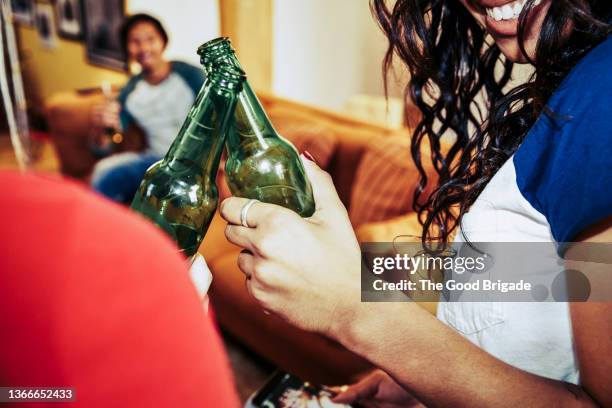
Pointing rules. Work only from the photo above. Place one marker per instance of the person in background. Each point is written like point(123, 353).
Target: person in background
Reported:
point(97, 299)
point(156, 101)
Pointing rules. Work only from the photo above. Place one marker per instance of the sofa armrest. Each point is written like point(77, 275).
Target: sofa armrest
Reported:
point(69, 117)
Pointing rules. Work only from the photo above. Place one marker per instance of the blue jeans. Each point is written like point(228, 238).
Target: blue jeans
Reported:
point(119, 176)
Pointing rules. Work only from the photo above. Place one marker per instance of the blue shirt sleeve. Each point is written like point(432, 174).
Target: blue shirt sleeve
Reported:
point(193, 76)
point(564, 166)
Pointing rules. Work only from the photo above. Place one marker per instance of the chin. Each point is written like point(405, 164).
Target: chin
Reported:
point(511, 50)
point(146, 66)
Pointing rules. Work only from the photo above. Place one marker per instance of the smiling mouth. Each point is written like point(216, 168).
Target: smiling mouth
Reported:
point(509, 11)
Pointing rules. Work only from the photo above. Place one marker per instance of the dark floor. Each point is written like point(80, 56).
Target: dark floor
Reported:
point(250, 371)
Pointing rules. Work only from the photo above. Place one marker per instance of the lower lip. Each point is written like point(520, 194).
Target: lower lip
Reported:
point(503, 28)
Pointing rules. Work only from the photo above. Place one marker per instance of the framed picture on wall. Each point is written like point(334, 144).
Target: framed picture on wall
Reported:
point(23, 11)
point(102, 21)
point(45, 25)
point(69, 19)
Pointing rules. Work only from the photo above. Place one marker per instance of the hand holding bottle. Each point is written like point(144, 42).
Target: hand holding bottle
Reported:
point(106, 114)
point(307, 270)
point(106, 132)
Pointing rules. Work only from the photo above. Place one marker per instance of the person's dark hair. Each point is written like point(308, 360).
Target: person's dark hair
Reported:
point(134, 19)
point(451, 59)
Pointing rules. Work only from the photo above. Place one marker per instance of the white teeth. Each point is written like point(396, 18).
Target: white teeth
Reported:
point(497, 13)
point(508, 11)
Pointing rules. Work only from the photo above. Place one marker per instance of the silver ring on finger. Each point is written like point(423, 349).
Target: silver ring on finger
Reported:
point(245, 212)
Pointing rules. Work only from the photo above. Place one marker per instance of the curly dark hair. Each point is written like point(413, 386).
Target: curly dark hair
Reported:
point(451, 60)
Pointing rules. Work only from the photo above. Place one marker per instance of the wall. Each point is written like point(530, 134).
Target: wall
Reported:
point(329, 53)
point(189, 23)
point(64, 68)
point(248, 23)
point(323, 66)
point(47, 71)
point(327, 65)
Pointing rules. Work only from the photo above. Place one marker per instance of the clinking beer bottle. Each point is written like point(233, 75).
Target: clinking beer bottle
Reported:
point(178, 193)
point(260, 164)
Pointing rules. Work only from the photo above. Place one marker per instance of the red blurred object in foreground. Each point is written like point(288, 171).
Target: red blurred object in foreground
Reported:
point(95, 298)
point(39, 135)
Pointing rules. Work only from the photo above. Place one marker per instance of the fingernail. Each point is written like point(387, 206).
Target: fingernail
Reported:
point(308, 156)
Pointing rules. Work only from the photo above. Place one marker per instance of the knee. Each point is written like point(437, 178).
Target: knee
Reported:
point(113, 185)
point(111, 177)
point(106, 184)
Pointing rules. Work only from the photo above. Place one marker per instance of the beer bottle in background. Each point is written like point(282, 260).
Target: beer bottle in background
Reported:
point(178, 193)
point(108, 139)
point(260, 163)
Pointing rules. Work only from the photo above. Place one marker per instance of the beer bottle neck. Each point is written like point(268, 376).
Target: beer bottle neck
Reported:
point(200, 141)
point(251, 118)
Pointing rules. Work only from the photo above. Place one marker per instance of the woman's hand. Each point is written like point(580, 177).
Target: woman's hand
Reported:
point(377, 390)
point(307, 270)
point(106, 115)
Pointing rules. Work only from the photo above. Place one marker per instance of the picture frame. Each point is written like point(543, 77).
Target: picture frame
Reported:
point(23, 11)
point(44, 17)
point(102, 22)
point(69, 19)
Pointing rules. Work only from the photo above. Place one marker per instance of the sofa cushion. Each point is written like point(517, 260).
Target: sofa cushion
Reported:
point(385, 181)
point(305, 135)
point(316, 138)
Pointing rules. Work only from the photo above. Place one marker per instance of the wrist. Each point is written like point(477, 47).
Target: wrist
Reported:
point(348, 305)
point(358, 326)
point(370, 325)
point(345, 313)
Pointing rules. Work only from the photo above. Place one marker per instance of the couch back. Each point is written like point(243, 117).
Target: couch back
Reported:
point(69, 115)
point(353, 136)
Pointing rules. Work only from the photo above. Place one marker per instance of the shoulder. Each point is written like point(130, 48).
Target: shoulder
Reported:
point(182, 67)
point(582, 102)
point(587, 83)
point(194, 76)
point(129, 87)
point(563, 165)
point(595, 62)
point(129, 256)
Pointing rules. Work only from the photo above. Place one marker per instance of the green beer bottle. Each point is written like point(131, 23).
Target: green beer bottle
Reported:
point(178, 193)
point(260, 164)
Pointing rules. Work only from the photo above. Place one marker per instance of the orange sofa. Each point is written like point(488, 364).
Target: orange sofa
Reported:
point(305, 354)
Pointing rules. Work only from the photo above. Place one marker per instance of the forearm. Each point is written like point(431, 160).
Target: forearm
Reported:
point(440, 367)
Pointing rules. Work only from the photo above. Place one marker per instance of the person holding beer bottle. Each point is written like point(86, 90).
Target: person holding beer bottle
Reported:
point(531, 164)
point(155, 101)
